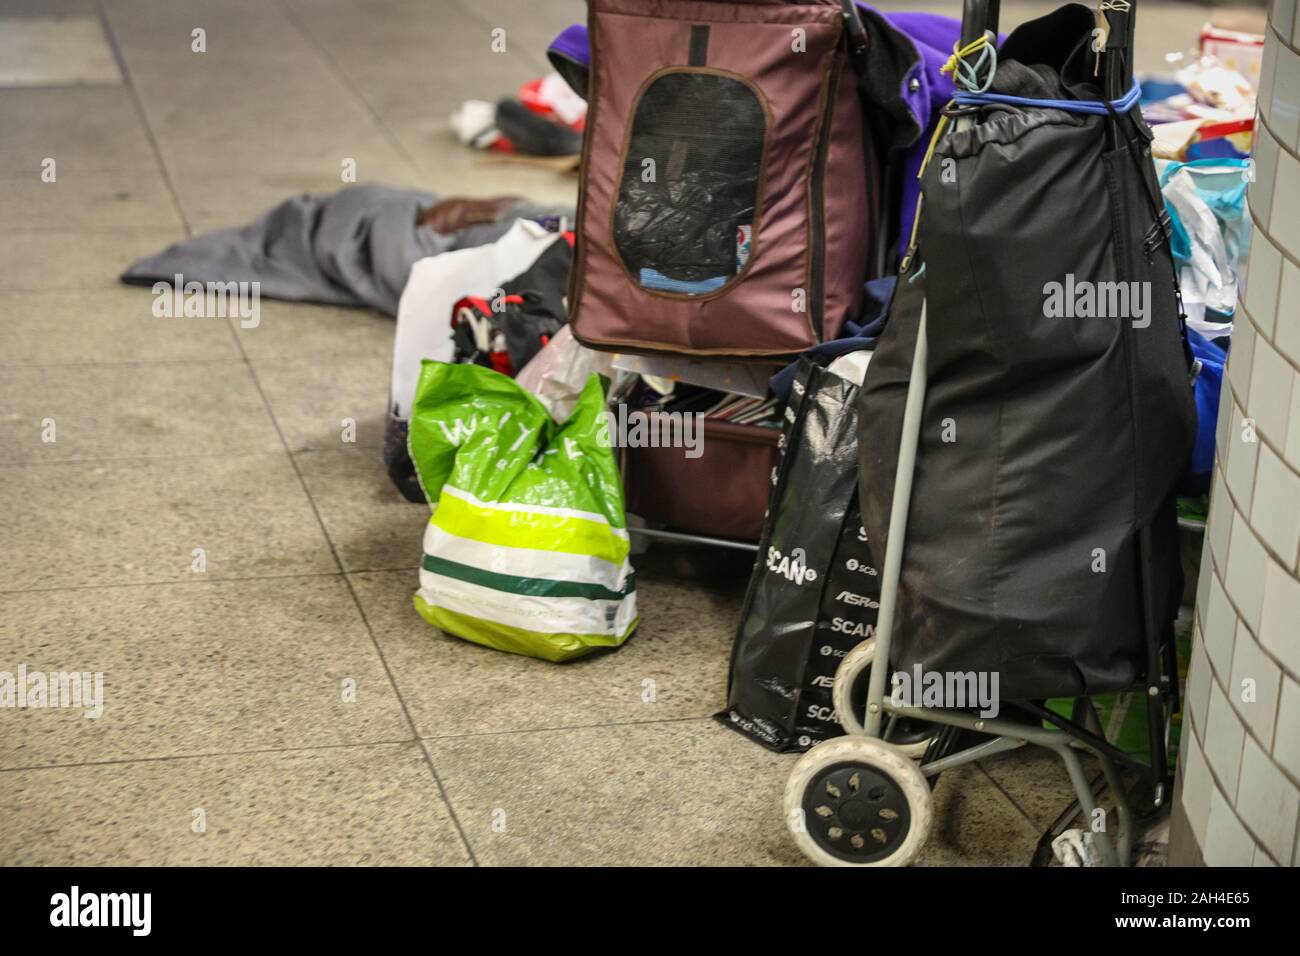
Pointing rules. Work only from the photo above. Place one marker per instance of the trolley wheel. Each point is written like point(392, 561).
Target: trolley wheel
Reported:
point(857, 801)
point(849, 695)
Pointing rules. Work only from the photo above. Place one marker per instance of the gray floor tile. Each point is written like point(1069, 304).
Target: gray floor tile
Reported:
point(369, 523)
point(975, 824)
point(236, 195)
point(312, 399)
point(240, 32)
point(55, 50)
point(134, 411)
point(1036, 780)
point(291, 330)
point(204, 667)
point(177, 87)
point(82, 128)
point(677, 793)
point(674, 665)
point(349, 806)
point(133, 522)
point(528, 33)
point(680, 793)
point(47, 8)
point(307, 150)
point(371, 46)
point(105, 327)
point(93, 201)
point(452, 169)
point(310, 114)
point(36, 260)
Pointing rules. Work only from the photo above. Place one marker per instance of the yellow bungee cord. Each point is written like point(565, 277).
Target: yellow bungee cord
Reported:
point(967, 75)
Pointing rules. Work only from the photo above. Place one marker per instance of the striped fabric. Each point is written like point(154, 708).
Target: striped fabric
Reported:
point(547, 582)
point(534, 559)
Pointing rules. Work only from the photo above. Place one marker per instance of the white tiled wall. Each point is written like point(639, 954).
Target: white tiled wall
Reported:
point(1240, 777)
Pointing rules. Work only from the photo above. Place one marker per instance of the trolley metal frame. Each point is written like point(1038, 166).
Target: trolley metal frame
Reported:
point(1065, 737)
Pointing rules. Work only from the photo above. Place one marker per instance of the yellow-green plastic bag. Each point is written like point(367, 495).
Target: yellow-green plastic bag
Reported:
point(527, 547)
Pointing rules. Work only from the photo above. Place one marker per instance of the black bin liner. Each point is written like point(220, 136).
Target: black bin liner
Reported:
point(690, 177)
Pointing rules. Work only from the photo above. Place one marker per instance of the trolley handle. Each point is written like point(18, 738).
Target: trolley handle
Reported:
point(978, 16)
point(1117, 58)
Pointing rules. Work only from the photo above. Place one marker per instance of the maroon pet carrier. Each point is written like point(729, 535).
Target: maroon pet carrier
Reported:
point(727, 189)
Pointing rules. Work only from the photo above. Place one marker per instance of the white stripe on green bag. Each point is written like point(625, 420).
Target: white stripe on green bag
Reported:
point(527, 562)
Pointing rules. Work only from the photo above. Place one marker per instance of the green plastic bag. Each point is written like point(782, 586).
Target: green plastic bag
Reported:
point(527, 547)
point(1123, 716)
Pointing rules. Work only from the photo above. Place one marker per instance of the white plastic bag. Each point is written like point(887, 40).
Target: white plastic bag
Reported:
point(557, 374)
point(1076, 848)
point(1211, 236)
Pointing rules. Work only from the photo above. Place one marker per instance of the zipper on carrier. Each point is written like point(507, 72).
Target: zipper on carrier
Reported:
point(817, 189)
point(1155, 236)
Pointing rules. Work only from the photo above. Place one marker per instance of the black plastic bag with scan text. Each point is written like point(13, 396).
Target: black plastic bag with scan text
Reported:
point(815, 591)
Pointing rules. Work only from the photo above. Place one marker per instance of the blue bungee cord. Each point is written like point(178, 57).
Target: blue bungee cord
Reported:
point(973, 79)
point(1095, 107)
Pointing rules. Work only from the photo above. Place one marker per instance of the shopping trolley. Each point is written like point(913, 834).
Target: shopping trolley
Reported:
point(864, 800)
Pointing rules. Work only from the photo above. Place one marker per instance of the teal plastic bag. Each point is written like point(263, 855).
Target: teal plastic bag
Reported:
point(1209, 236)
point(527, 547)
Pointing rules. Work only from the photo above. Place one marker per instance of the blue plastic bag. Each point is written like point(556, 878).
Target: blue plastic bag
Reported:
point(1210, 359)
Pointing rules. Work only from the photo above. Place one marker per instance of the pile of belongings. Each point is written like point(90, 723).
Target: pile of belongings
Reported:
point(495, 305)
point(1203, 121)
point(546, 118)
point(1208, 109)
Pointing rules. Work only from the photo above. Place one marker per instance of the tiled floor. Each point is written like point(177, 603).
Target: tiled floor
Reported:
point(227, 736)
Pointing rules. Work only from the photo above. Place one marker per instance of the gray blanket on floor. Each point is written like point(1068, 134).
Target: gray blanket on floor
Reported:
point(354, 247)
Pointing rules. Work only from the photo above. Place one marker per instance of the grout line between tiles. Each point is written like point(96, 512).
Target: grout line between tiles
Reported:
point(111, 459)
point(540, 62)
point(314, 359)
point(52, 85)
point(206, 755)
point(144, 117)
point(1005, 793)
point(227, 456)
point(182, 582)
point(291, 15)
point(410, 719)
point(356, 599)
point(274, 420)
point(21, 230)
point(128, 363)
point(209, 579)
point(606, 725)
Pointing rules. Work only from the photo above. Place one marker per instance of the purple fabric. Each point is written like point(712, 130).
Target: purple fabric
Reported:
point(932, 35)
point(572, 44)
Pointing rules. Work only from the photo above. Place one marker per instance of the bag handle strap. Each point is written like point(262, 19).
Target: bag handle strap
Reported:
point(856, 32)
